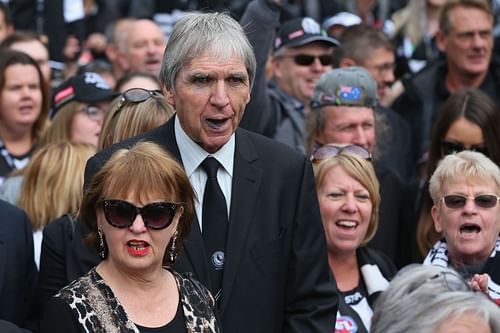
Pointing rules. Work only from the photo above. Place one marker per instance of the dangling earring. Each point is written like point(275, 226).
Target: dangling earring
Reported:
point(102, 248)
point(173, 253)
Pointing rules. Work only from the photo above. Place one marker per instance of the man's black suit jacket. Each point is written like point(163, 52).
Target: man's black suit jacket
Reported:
point(276, 276)
point(17, 267)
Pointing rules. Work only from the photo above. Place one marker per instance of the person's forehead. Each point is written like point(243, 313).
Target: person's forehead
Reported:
point(462, 17)
point(34, 48)
point(462, 182)
point(380, 55)
point(144, 29)
point(344, 114)
point(209, 62)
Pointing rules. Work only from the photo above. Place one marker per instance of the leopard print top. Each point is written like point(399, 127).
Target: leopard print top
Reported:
point(98, 310)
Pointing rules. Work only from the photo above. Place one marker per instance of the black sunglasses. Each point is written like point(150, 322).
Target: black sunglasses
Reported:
point(452, 281)
point(458, 201)
point(122, 214)
point(308, 59)
point(449, 147)
point(135, 95)
point(330, 150)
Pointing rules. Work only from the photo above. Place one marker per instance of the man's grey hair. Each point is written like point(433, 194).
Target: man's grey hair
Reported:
point(198, 33)
point(418, 300)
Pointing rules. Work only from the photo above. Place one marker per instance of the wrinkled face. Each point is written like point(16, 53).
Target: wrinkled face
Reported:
point(465, 323)
point(137, 248)
point(298, 80)
point(87, 123)
point(470, 231)
point(345, 210)
point(145, 46)
point(38, 52)
point(21, 97)
point(210, 98)
point(349, 125)
point(380, 64)
point(469, 42)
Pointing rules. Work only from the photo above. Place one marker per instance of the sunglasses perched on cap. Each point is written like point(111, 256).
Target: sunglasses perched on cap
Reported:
point(452, 281)
point(329, 150)
point(122, 214)
point(309, 59)
point(455, 201)
point(135, 95)
point(449, 147)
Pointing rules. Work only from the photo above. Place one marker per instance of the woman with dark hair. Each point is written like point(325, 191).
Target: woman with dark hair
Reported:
point(468, 120)
point(24, 107)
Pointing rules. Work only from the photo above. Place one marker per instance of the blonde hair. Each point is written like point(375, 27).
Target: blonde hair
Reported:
point(53, 182)
point(60, 127)
point(133, 119)
point(463, 165)
point(361, 170)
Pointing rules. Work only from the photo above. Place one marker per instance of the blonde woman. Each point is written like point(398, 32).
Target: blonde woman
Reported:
point(349, 199)
point(52, 185)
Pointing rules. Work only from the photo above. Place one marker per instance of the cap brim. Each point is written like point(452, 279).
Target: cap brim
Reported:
point(311, 39)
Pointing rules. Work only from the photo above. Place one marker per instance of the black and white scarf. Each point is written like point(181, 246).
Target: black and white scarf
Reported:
point(438, 256)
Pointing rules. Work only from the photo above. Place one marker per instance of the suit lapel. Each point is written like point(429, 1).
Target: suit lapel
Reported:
point(194, 248)
point(247, 177)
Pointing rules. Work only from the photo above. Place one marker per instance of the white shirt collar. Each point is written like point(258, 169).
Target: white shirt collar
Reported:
point(192, 154)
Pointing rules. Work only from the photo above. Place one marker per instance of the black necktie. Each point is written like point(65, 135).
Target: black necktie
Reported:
point(215, 221)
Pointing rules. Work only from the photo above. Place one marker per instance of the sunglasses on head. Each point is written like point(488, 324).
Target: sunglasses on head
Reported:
point(452, 281)
point(122, 214)
point(482, 200)
point(135, 95)
point(308, 59)
point(449, 147)
point(330, 150)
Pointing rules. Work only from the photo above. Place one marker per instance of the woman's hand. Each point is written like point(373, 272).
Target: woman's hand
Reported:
point(479, 282)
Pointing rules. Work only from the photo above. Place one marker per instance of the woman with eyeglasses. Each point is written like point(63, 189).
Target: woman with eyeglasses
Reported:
point(349, 199)
point(465, 190)
point(430, 299)
point(24, 107)
point(467, 120)
point(137, 225)
point(64, 257)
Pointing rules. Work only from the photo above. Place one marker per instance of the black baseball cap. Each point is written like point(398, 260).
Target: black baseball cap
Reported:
point(301, 31)
point(88, 87)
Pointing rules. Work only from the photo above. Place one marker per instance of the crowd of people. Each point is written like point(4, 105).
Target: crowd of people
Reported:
point(283, 166)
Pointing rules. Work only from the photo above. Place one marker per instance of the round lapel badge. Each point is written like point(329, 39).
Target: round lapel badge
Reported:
point(218, 259)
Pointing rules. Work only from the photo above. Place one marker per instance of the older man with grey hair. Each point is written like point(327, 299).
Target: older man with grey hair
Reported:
point(263, 252)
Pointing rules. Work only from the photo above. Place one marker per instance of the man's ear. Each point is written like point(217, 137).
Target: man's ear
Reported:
point(441, 41)
point(169, 96)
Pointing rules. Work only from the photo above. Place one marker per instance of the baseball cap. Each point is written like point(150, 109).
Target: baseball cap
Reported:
point(301, 31)
point(344, 19)
point(347, 86)
point(88, 87)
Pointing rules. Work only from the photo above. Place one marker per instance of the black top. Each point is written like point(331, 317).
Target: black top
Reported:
point(176, 325)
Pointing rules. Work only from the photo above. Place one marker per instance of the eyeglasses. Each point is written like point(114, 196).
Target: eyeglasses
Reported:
point(385, 68)
point(95, 113)
point(330, 150)
point(122, 214)
point(448, 148)
point(452, 281)
point(135, 95)
point(308, 59)
point(455, 201)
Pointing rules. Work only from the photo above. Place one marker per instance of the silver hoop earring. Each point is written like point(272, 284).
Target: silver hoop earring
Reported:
point(173, 249)
point(102, 246)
